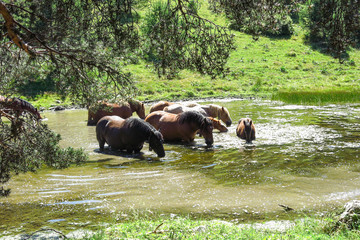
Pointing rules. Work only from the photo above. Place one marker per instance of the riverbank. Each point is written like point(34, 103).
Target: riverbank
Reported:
point(182, 227)
point(185, 228)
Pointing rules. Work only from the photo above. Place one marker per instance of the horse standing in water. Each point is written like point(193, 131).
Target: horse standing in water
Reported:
point(182, 127)
point(128, 134)
point(18, 106)
point(159, 106)
point(124, 110)
point(210, 110)
point(246, 129)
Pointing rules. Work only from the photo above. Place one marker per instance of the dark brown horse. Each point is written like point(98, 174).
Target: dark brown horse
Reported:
point(128, 134)
point(18, 106)
point(183, 126)
point(246, 129)
point(123, 110)
point(159, 106)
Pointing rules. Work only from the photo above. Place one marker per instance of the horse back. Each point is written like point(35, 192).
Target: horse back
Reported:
point(108, 109)
point(159, 106)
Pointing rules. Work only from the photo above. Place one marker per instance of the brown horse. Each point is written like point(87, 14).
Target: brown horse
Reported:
point(159, 106)
point(246, 129)
point(128, 134)
point(18, 106)
point(210, 110)
point(218, 125)
point(183, 126)
point(123, 110)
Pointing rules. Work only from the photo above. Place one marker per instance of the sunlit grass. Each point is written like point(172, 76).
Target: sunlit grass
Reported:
point(319, 97)
point(263, 68)
point(185, 228)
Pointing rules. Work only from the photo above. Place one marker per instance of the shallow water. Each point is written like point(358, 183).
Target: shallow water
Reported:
point(305, 157)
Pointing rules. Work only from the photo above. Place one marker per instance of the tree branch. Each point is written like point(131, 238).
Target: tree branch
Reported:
point(10, 26)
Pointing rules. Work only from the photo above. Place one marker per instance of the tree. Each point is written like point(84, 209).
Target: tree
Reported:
point(80, 43)
point(26, 143)
point(335, 23)
point(258, 17)
point(178, 38)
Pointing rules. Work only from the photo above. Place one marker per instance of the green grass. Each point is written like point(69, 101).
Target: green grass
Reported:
point(185, 228)
point(318, 97)
point(264, 68)
point(48, 100)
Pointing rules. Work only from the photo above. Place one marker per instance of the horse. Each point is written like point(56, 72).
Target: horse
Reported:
point(246, 129)
point(218, 125)
point(182, 127)
point(159, 106)
point(128, 134)
point(18, 105)
point(210, 110)
point(123, 110)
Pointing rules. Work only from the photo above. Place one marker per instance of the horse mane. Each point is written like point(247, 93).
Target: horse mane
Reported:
point(135, 105)
point(142, 126)
point(190, 116)
point(18, 104)
point(25, 105)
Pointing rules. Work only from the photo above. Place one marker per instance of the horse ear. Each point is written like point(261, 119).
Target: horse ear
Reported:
point(222, 108)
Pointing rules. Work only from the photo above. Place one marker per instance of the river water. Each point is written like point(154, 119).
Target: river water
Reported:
point(304, 157)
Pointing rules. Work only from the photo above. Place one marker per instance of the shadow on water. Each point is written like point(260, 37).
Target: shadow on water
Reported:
point(306, 157)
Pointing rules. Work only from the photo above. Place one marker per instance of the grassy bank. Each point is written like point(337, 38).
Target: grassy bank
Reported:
point(185, 228)
point(287, 69)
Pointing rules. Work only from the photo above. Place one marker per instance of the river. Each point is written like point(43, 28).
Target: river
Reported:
point(304, 157)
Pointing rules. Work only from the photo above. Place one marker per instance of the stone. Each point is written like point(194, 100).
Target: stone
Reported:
point(351, 214)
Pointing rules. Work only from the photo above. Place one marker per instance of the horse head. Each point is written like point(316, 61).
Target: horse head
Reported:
point(138, 107)
point(224, 115)
point(206, 130)
point(218, 125)
point(156, 143)
point(248, 128)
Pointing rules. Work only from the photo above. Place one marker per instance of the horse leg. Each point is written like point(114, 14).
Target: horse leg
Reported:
point(101, 144)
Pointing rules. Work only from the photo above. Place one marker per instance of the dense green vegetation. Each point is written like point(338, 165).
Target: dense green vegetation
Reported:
point(186, 228)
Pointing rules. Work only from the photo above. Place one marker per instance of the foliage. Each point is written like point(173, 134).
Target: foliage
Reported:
point(70, 41)
point(26, 144)
point(176, 37)
point(258, 17)
point(335, 23)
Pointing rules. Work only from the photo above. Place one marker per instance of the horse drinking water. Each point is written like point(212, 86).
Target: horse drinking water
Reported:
point(128, 134)
point(182, 127)
point(246, 129)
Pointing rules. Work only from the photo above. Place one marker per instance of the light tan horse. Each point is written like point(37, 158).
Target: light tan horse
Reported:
point(219, 112)
point(123, 110)
point(246, 129)
point(182, 127)
point(210, 110)
point(159, 106)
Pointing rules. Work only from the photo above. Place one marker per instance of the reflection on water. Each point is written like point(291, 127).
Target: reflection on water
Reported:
point(306, 157)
